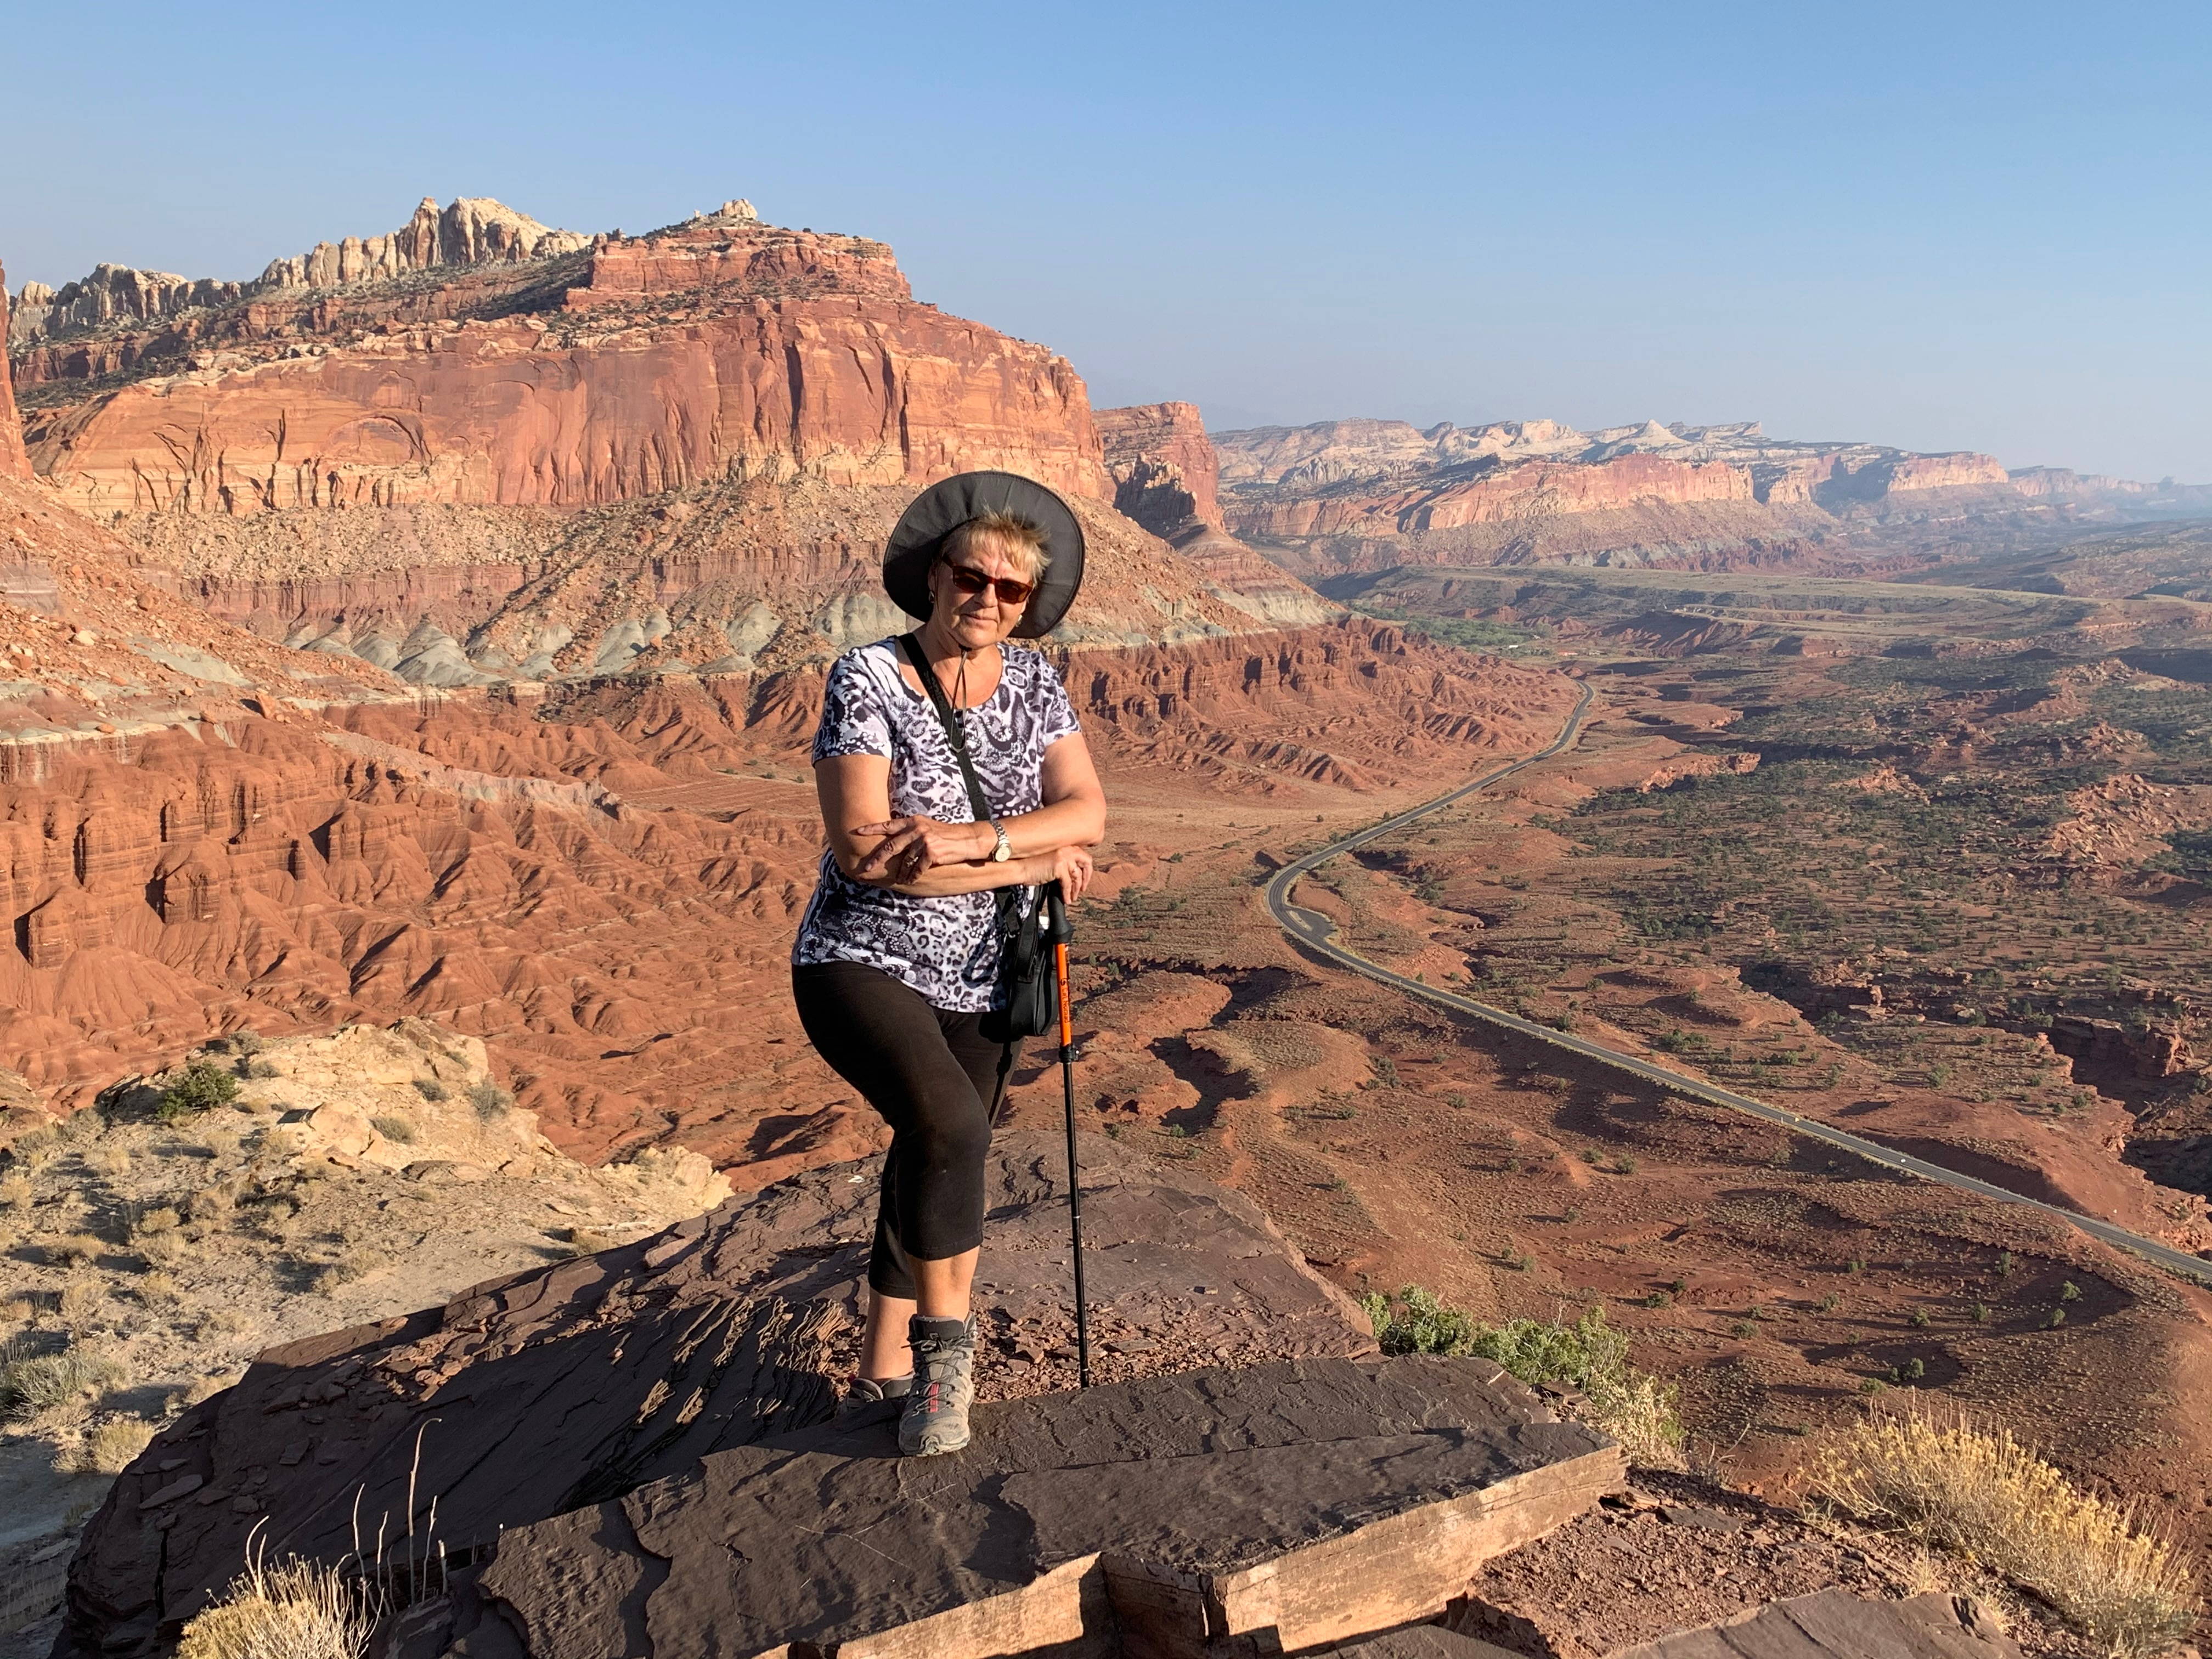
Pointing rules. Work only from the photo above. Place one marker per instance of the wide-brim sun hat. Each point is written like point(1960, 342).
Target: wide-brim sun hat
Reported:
point(943, 507)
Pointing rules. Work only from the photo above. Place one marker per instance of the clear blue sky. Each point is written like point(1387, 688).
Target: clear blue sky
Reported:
point(1939, 225)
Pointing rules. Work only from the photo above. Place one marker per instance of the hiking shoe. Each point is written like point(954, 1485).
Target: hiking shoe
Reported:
point(936, 1416)
point(864, 1394)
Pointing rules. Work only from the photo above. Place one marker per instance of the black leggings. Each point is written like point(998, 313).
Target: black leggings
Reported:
point(934, 1078)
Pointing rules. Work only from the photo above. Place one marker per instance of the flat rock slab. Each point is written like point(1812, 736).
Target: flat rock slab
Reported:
point(1217, 1513)
point(1834, 1625)
point(557, 1390)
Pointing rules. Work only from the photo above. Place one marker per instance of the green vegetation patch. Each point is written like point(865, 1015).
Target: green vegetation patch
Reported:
point(1589, 1356)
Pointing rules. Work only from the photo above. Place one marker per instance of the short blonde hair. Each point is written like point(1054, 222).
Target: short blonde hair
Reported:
point(1020, 541)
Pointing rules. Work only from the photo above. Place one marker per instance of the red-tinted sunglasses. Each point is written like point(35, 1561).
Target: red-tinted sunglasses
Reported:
point(971, 582)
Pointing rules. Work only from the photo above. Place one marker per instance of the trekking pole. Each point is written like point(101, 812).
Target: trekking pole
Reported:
point(1057, 930)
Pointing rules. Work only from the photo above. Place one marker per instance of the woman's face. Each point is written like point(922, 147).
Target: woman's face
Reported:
point(983, 616)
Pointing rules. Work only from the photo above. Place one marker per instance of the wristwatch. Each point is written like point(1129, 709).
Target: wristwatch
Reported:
point(1004, 850)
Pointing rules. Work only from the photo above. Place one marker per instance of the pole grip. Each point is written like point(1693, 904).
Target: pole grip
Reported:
point(1060, 975)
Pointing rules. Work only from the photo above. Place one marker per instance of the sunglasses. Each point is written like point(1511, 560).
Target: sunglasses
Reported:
point(972, 581)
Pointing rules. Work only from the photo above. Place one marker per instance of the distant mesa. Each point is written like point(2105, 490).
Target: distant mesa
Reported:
point(1338, 496)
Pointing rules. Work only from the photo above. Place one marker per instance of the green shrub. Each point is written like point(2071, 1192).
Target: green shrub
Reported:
point(200, 1087)
point(1589, 1356)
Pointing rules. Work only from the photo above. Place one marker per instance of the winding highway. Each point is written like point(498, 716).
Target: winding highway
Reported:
point(1315, 933)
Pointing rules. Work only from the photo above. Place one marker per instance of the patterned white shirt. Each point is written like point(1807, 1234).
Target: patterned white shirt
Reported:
point(947, 948)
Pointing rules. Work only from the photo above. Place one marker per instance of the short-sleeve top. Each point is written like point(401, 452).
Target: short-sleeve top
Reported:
point(947, 948)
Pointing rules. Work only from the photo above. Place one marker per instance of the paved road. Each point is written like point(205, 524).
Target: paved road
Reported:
point(1316, 933)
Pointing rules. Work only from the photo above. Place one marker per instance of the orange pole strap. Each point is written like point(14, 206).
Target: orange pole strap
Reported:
point(1066, 1024)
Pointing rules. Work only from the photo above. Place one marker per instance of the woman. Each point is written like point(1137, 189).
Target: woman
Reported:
point(897, 958)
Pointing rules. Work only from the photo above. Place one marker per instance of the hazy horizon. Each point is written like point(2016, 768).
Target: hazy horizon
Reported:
point(1981, 229)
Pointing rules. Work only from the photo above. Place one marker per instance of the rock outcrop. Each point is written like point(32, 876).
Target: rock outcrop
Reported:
point(469, 231)
point(564, 1392)
point(1166, 478)
point(1264, 1509)
point(1166, 475)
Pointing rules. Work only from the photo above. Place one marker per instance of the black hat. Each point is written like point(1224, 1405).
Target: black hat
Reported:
point(943, 507)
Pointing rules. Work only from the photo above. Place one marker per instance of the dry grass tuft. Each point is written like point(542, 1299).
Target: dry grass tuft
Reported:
point(329, 1276)
point(70, 1249)
point(109, 1448)
point(203, 1388)
point(1952, 1485)
point(80, 1301)
point(35, 1150)
point(587, 1241)
point(16, 1192)
point(33, 1382)
point(301, 1610)
point(108, 1160)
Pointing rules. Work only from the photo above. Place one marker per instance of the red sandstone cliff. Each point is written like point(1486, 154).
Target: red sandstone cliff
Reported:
point(1166, 475)
point(13, 462)
point(721, 347)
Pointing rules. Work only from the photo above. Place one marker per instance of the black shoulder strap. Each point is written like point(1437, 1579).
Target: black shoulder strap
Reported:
point(956, 731)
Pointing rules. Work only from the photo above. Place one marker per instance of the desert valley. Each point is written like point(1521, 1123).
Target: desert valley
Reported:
point(407, 660)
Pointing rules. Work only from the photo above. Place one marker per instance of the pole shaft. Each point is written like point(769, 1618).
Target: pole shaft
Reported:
point(1074, 1186)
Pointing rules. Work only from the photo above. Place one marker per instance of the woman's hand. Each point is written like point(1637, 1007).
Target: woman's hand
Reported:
point(910, 846)
point(1071, 868)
